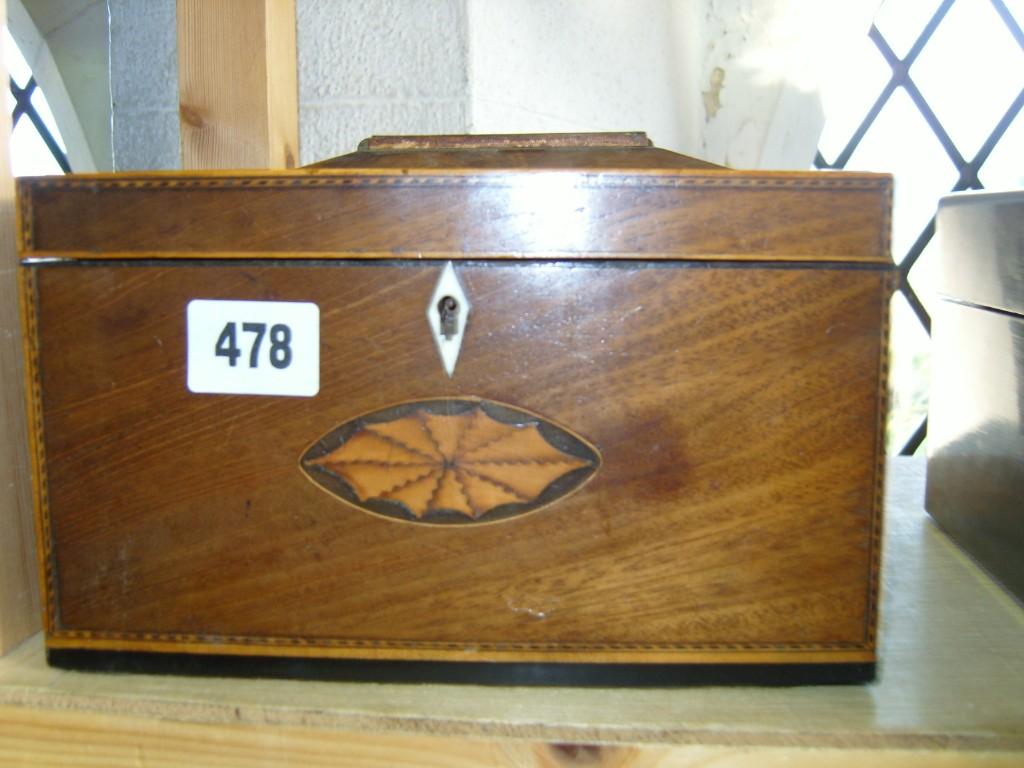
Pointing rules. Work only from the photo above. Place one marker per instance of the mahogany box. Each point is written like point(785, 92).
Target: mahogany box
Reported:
point(561, 399)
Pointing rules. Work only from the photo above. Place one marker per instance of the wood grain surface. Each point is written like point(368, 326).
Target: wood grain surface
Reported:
point(950, 692)
point(19, 586)
point(73, 740)
point(450, 461)
point(499, 141)
point(238, 84)
point(716, 336)
point(734, 514)
point(513, 156)
point(585, 151)
point(392, 213)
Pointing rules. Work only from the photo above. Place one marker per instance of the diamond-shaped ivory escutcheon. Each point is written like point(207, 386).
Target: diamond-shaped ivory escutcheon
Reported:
point(447, 314)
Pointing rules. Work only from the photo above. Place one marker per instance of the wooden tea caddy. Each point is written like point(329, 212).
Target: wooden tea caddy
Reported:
point(659, 442)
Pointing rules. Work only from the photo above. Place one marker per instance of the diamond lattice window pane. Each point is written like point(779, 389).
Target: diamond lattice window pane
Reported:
point(849, 93)
point(1004, 168)
point(42, 107)
point(970, 72)
point(924, 276)
point(909, 374)
point(1016, 8)
point(902, 21)
point(900, 142)
point(29, 154)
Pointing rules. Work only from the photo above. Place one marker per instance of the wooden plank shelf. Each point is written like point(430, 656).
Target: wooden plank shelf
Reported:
point(950, 691)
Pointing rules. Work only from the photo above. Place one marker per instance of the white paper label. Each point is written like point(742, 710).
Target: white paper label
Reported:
point(253, 347)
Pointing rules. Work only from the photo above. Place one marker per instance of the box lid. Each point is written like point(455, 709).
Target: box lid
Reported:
point(608, 196)
point(591, 151)
point(981, 249)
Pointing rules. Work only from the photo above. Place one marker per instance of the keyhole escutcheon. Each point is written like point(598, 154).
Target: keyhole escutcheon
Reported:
point(448, 309)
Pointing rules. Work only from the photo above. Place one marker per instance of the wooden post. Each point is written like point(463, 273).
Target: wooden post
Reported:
point(19, 587)
point(237, 84)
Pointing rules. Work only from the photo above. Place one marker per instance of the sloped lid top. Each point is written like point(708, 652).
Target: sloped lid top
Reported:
point(981, 253)
point(552, 151)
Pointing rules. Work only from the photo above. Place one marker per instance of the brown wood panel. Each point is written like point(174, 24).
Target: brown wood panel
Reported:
point(516, 158)
point(19, 586)
point(238, 84)
point(387, 214)
point(735, 411)
point(497, 141)
point(953, 681)
point(588, 151)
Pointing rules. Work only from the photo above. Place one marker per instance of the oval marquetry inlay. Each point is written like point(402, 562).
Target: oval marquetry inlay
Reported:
point(455, 460)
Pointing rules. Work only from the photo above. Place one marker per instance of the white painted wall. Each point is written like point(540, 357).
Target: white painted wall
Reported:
point(762, 69)
point(736, 82)
point(379, 67)
point(602, 65)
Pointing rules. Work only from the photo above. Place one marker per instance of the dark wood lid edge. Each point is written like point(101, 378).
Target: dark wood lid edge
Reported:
point(505, 141)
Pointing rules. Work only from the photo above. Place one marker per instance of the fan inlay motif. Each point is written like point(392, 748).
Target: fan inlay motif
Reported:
point(450, 461)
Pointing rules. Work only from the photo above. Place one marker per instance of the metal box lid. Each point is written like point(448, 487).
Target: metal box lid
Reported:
point(981, 236)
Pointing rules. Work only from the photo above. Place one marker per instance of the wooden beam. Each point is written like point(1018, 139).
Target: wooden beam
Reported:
point(19, 587)
point(237, 84)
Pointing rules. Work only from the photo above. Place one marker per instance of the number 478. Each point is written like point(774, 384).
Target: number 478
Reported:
point(280, 344)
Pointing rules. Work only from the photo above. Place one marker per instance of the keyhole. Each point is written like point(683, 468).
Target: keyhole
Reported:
point(448, 309)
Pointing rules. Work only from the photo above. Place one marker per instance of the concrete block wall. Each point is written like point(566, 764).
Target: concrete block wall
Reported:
point(144, 84)
point(601, 65)
point(377, 67)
